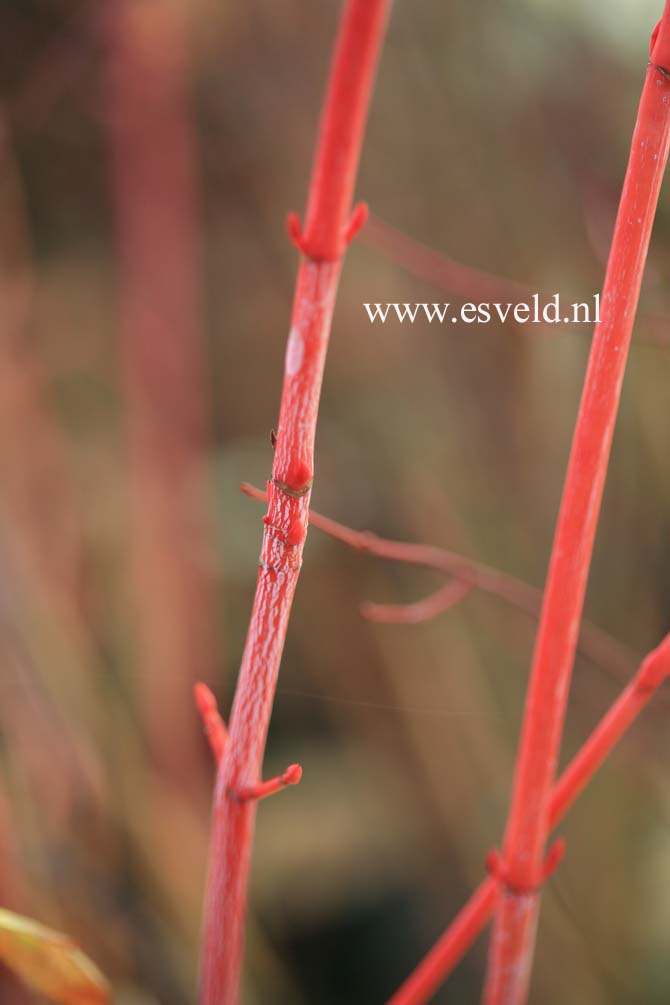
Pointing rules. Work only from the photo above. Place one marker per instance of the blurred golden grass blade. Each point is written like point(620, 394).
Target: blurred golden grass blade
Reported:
point(50, 963)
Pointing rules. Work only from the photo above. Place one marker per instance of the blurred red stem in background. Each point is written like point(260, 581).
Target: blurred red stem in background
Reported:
point(512, 945)
point(328, 227)
point(436, 966)
point(154, 188)
point(430, 266)
point(595, 644)
point(465, 282)
point(436, 603)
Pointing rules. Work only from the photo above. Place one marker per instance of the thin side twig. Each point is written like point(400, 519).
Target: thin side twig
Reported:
point(596, 645)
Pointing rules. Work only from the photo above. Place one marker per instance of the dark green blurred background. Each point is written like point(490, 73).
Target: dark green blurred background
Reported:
point(499, 136)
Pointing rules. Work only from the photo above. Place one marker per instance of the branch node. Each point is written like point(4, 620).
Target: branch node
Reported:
point(659, 47)
point(499, 870)
point(356, 222)
point(296, 492)
point(261, 790)
point(294, 228)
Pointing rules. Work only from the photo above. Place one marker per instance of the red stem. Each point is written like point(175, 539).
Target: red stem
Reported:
point(323, 244)
point(424, 981)
point(512, 945)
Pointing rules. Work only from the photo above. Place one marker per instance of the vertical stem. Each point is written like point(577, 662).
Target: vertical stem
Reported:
point(511, 952)
point(323, 244)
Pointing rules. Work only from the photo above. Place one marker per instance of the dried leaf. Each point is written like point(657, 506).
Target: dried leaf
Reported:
point(50, 963)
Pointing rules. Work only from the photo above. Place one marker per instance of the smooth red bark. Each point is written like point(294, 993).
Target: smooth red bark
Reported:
point(436, 966)
point(329, 226)
point(513, 940)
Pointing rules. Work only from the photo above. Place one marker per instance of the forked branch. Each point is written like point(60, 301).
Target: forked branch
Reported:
point(438, 963)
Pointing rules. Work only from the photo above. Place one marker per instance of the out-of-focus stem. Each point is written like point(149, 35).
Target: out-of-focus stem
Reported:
point(154, 189)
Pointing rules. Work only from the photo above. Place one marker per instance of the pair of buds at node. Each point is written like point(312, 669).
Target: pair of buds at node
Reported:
point(304, 245)
point(217, 735)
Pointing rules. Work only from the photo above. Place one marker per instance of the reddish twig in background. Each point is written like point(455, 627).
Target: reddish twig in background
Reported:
point(436, 966)
point(430, 266)
point(328, 228)
point(596, 645)
point(436, 603)
point(465, 282)
point(154, 189)
point(512, 945)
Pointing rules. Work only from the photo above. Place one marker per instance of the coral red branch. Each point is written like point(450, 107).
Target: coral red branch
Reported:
point(603, 650)
point(328, 226)
point(511, 952)
point(436, 966)
point(213, 724)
